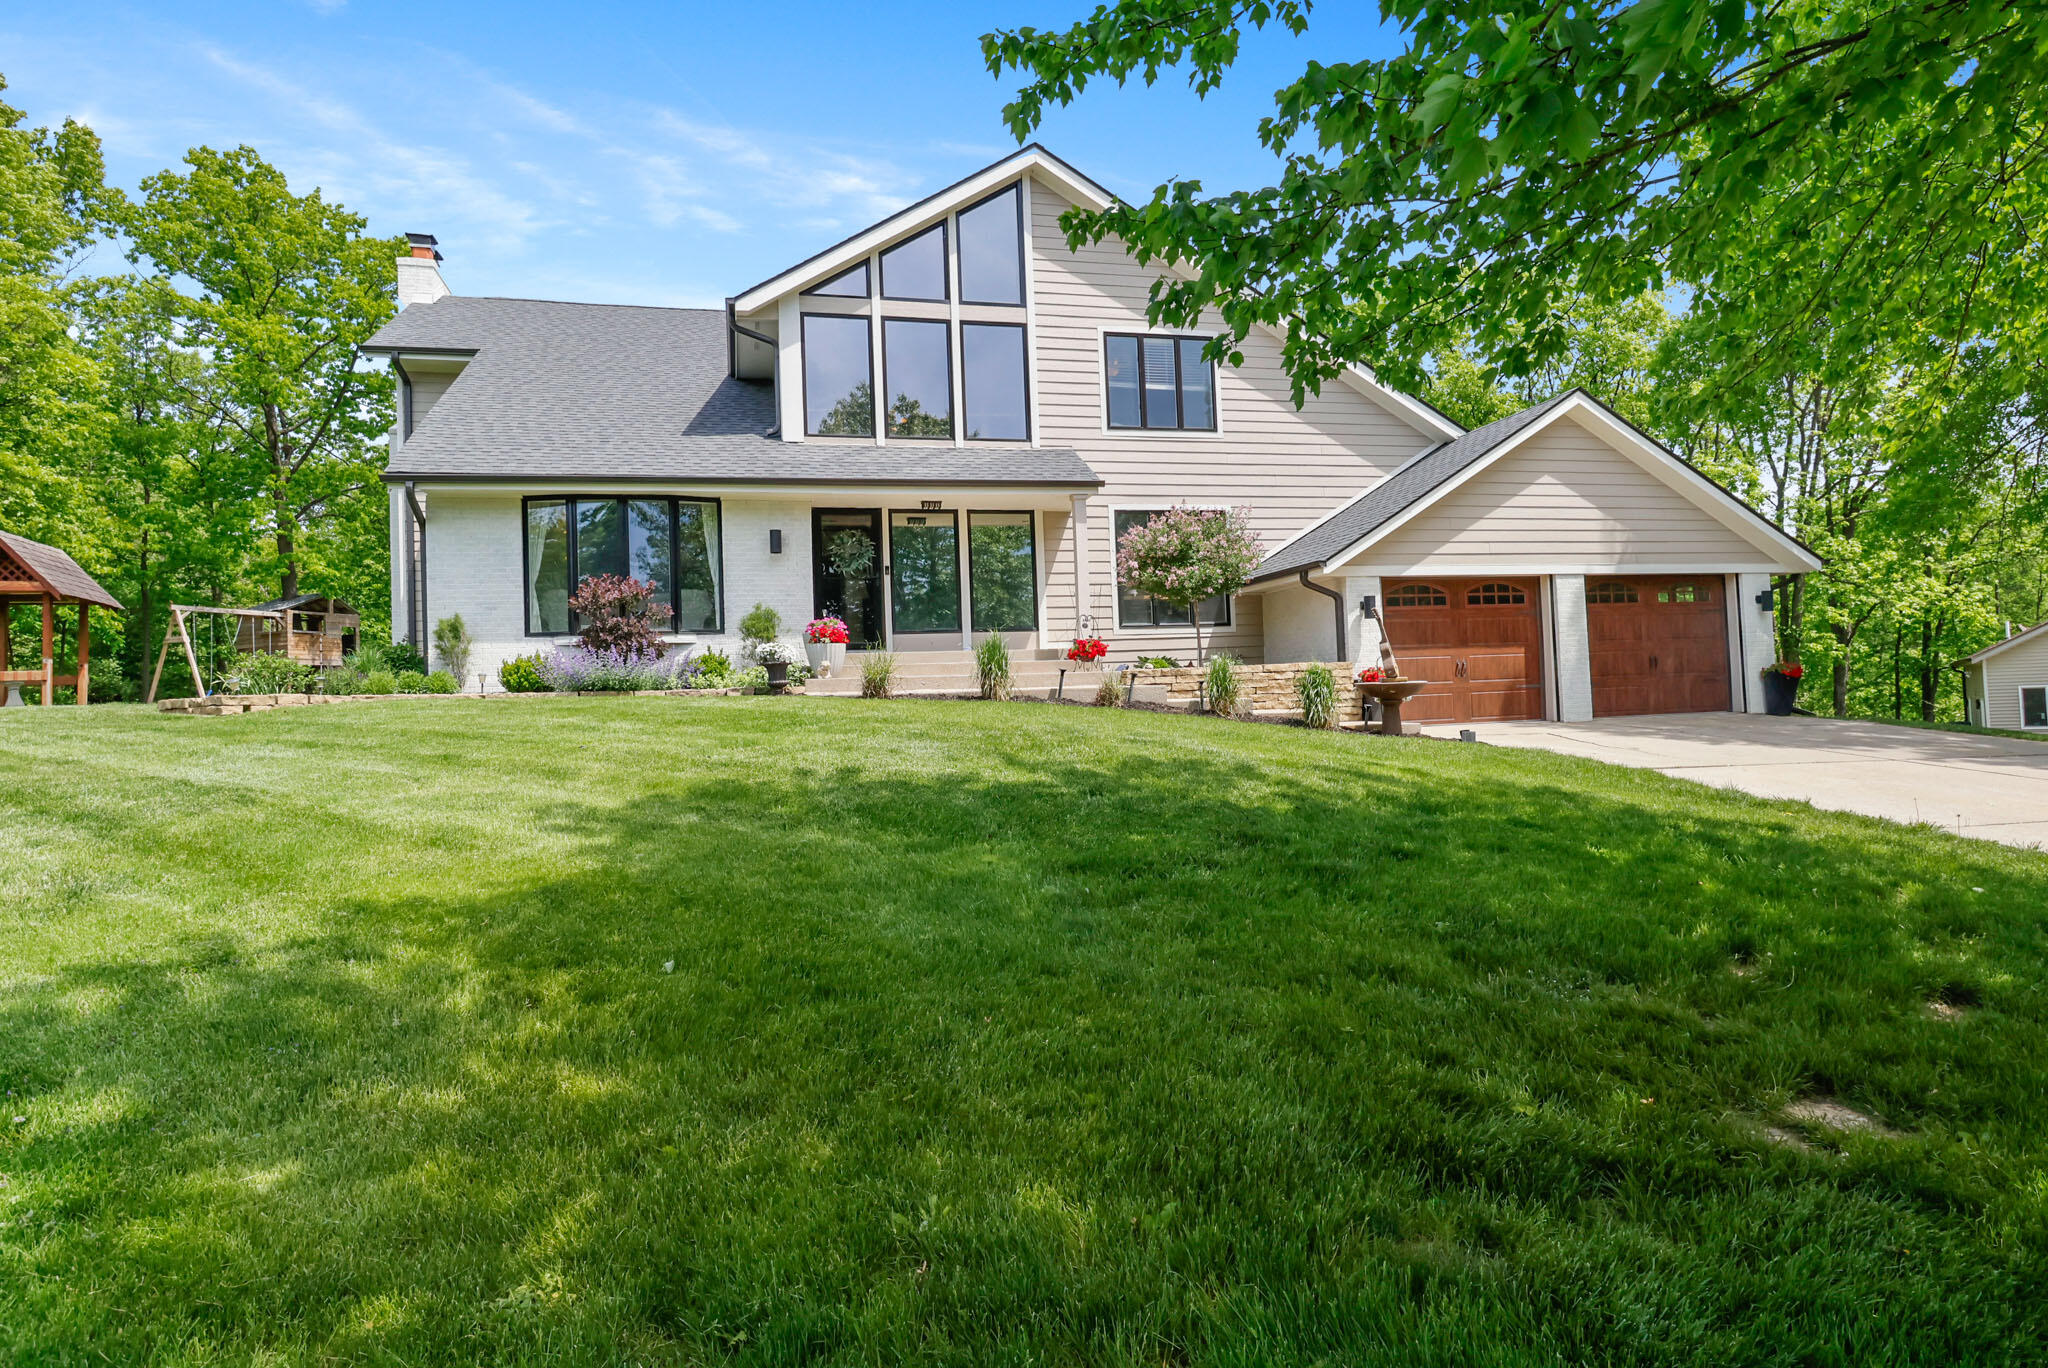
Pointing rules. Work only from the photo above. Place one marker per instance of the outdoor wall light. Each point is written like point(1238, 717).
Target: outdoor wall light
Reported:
point(1763, 600)
point(1368, 603)
point(774, 541)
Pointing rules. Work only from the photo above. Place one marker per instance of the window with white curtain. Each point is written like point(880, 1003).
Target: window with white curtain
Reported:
point(673, 544)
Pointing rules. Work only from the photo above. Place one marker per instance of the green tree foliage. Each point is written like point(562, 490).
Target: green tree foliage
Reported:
point(194, 430)
point(1877, 165)
point(285, 286)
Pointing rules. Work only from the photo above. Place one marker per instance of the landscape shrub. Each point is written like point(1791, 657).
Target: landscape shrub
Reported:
point(379, 681)
point(580, 670)
point(451, 643)
point(713, 666)
point(1223, 687)
point(1110, 692)
point(1159, 662)
point(268, 672)
point(443, 682)
point(395, 656)
point(1317, 689)
point(992, 665)
point(411, 681)
point(522, 674)
point(621, 617)
point(877, 674)
point(760, 626)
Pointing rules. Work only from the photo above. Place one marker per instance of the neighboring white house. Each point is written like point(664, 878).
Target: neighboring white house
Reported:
point(1555, 564)
point(2006, 685)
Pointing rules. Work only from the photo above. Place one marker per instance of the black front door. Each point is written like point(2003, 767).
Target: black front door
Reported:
point(847, 570)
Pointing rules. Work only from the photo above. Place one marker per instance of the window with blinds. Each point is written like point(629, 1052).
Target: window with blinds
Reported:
point(1159, 383)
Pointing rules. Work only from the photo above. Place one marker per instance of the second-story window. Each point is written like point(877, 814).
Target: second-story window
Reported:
point(839, 377)
point(1159, 383)
point(917, 367)
point(992, 249)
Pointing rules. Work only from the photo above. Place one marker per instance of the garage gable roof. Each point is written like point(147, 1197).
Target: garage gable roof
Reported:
point(1435, 473)
point(2037, 632)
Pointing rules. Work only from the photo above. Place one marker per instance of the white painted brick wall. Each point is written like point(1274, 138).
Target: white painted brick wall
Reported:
point(475, 565)
point(1300, 625)
point(1574, 653)
point(1758, 640)
point(1364, 631)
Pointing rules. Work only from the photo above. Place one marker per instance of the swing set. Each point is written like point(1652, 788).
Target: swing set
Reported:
point(307, 628)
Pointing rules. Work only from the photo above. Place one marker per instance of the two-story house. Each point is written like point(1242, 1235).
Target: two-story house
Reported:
point(938, 428)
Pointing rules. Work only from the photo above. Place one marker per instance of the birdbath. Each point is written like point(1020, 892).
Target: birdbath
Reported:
point(1390, 694)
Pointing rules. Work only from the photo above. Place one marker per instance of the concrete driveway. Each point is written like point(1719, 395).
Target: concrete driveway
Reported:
point(1991, 787)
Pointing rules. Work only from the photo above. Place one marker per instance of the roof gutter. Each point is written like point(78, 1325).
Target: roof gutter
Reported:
point(1343, 652)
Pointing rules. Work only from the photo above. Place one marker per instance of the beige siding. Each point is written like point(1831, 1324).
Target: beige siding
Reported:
point(1565, 498)
point(2005, 674)
point(1289, 466)
point(427, 389)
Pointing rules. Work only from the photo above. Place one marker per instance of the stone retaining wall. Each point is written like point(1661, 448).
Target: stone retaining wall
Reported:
point(224, 705)
point(1261, 688)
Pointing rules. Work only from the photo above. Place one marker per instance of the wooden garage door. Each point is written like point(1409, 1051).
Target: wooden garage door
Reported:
point(1478, 642)
point(1659, 644)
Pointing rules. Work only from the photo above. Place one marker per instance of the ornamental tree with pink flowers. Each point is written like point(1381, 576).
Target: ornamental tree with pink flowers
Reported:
point(1186, 555)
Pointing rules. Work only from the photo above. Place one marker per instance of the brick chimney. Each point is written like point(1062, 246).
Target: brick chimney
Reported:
point(419, 272)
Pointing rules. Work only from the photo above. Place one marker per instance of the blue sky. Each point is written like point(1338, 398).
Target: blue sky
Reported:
point(636, 153)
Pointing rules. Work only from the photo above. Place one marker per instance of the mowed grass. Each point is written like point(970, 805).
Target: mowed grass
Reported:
point(761, 1031)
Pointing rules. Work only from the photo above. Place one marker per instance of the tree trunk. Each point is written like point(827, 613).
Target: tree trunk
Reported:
point(281, 513)
point(1847, 637)
point(146, 608)
point(1898, 673)
point(1930, 679)
point(1195, 616)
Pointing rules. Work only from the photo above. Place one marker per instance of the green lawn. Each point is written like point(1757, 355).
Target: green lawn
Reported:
point(764, 1031)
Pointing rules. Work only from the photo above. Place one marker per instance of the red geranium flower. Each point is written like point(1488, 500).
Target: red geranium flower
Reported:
point(1087, 649)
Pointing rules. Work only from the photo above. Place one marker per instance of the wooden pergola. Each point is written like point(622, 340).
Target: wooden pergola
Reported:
point(31, 572)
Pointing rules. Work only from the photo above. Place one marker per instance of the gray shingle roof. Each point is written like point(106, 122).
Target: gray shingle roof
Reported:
point(1382, 502)
point(617, 392)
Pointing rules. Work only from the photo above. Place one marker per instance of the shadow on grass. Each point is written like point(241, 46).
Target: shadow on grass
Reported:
point(1058, 1044)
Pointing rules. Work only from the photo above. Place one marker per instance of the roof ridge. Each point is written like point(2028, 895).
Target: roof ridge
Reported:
point(717, 310)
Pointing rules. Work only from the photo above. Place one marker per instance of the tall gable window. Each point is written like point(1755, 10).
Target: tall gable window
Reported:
point(851, 283)
point(993, 384)
point(1159, 383)
point(672, 544)
point(839, 377)
point(992, 249)
point(917, 269)
point(918, 368)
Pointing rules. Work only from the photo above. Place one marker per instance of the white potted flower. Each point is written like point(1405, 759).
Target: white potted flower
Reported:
point(776, 658)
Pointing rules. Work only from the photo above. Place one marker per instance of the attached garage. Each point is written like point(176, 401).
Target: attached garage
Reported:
point(1478, 642)
point(1657, 644)
point(1556, 564)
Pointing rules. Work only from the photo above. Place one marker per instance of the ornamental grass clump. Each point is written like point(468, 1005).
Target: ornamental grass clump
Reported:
point(1317, 689)
point(1223, 687)
point(1111, 691)
point(992, 664)
point(877, 674)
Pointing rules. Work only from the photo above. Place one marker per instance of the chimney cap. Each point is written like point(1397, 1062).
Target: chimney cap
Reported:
point(424, 245)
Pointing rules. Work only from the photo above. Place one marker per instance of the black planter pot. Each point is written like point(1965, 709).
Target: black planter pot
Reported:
point(1780, 693)
point(778, 676)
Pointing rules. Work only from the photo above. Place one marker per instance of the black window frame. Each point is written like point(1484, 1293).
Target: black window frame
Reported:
point(953, 419)
point(960, 424)
point(1179, 386)
point(889, 517)
point(823, 290)
point(804, 379)
point(1023, 298)
point(569, 502)
point(1229, 600)
point(944, 229)
point(1031, 521)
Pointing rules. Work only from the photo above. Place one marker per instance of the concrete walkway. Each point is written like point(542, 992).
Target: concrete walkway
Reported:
point(1991, 787)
